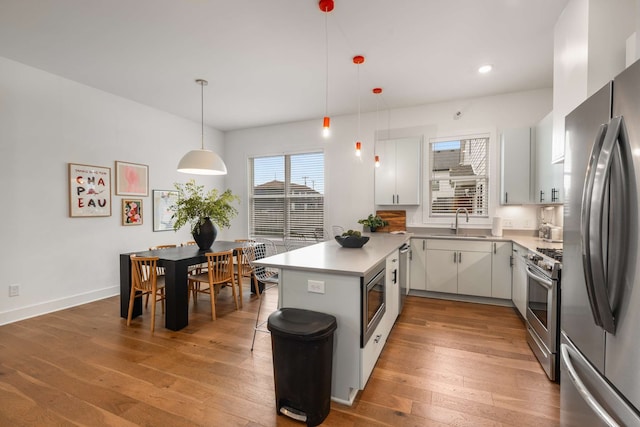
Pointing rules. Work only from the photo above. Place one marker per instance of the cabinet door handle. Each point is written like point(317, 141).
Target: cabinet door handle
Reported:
point(494, 247)
point(397, 198)
point(423, 244)
point(541, 196)
point(455, 257)
point(506, 197)
point(460, 257)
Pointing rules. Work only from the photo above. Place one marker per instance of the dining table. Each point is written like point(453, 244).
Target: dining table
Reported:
point(176, 262)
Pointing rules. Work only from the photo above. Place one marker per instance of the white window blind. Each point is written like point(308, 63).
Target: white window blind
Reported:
point(459, 177)
point(286, 195)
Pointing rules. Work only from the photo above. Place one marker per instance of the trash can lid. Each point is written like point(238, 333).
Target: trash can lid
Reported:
point(301, 324)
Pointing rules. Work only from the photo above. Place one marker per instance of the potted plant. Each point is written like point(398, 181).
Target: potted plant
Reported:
point(202, 210)
point(373, 222)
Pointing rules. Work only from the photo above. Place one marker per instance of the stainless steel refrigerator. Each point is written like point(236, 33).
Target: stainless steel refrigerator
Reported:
point(600, 284)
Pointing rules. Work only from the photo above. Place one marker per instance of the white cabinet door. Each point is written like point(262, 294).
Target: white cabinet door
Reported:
point(397, 179)
point(385, 174)
point(548, 175)
point(442, 276)
point(501, 270)
point(474, 273)
point(408, 171)
point(418, 264)
point(515, 166)
point(519, 289)
point(393, 287)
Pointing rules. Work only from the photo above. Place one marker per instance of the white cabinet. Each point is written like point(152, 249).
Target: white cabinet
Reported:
point(461, 267)
point(418, 261)
point(515, 162)
point(548, 176)
point(393, 287)
point(519, 280)
point(397, 179)
point(501, 270)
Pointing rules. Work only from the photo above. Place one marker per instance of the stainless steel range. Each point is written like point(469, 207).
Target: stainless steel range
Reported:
point(543, 307)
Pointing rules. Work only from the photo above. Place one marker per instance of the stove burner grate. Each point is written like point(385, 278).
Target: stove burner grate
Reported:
point(555, 254)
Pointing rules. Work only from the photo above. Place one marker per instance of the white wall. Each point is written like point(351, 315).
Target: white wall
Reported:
point(46, 122)
point(349, 179)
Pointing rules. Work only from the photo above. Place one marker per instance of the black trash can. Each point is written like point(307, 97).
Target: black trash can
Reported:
point(302, 344)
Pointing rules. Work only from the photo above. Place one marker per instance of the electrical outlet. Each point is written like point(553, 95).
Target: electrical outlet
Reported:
point(527, 223)
point(507, 223)
point(315, 286)
point(14, 290)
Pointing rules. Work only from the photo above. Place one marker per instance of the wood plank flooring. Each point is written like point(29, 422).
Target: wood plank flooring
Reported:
point(445, 364)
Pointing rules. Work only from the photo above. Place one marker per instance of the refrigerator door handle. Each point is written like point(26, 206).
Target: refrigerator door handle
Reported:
point(583, 390)
point(585, 221)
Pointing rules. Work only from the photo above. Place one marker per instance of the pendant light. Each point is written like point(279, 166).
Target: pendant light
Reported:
point(202, 162)
point(377, 91)
point(326, 6)
point(358, 59)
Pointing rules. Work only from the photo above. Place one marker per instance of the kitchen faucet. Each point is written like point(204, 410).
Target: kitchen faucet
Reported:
point(457, 212)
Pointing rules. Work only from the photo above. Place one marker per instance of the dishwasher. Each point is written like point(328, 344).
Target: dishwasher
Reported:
point(403, 275)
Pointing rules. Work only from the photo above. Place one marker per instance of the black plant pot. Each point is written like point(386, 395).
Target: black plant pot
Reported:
point(207, 235)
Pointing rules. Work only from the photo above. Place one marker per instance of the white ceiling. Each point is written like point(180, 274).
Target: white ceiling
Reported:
point(265, 60)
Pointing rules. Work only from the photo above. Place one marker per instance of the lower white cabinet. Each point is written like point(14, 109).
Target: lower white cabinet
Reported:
point(457, 266)
point(519, 279)
point(460, 267)
point(418, 270)
point(501, 270)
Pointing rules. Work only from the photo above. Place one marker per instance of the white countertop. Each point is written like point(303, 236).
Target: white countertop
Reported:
point(330, 257)
point(529, 242)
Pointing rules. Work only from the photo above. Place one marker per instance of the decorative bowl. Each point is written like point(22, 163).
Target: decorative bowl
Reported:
point(352, 241)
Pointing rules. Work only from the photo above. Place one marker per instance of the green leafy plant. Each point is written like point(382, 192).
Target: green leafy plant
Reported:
point(193, 206)
point(373, 222)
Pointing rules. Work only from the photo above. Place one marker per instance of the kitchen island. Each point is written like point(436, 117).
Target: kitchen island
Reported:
point(328, 278)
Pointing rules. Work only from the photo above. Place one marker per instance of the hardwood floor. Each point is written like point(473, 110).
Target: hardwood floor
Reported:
point(445, 363)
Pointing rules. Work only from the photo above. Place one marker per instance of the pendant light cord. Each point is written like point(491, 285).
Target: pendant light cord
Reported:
point(358, 102)
point(326, 46)
point(202, 113)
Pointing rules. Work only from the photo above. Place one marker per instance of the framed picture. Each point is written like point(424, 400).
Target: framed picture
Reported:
point(131, 211)
point(132, 179)
point(89, 190)
point(163, 200)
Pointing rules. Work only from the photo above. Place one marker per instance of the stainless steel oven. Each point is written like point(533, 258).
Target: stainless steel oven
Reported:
point(543, 311)
point(374, 294)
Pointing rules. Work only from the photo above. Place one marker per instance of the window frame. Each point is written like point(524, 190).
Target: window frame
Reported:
point(484, 179)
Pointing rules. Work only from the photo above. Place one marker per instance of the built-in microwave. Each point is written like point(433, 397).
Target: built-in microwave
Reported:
point(373, 307)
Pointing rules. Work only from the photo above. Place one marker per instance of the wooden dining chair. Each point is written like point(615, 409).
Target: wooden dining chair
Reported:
point(219, 272)
point(198, 268)
point(265, 276)
point(145, 281)
point(241, 267)
point(160, 269)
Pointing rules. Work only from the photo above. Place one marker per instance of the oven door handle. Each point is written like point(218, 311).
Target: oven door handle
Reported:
point(548, 283)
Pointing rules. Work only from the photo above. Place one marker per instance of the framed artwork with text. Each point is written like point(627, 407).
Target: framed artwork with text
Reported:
point(89, 190)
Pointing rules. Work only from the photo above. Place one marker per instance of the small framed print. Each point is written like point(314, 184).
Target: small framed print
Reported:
point(163, 202)
point(89, 190)
point(132, 179)
point(132, 212)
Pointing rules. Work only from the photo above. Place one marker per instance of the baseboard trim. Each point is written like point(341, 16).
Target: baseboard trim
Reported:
point(34, 310)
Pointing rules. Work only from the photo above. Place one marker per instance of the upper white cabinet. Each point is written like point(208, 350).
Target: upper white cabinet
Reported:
point(515, 161)
point(397, 179)
point(548, 175)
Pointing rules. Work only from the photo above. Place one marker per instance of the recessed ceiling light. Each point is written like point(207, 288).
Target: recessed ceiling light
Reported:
point(485, 69)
